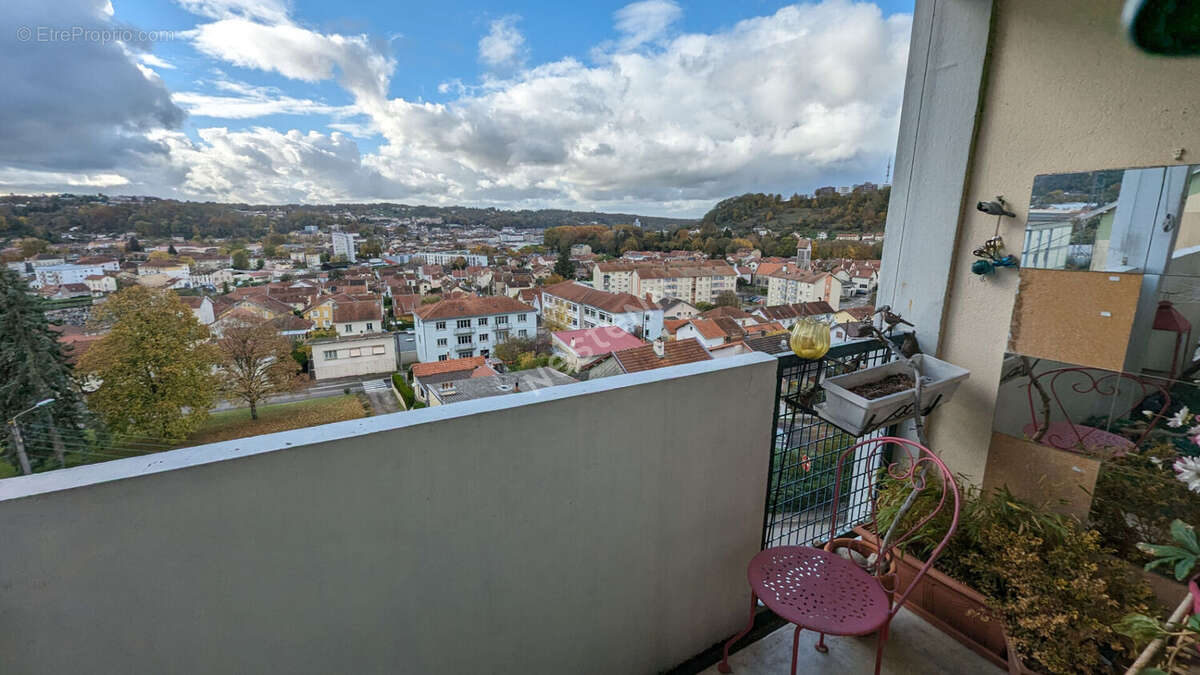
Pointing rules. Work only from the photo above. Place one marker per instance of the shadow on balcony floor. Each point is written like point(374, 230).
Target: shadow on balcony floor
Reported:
point(915, 647)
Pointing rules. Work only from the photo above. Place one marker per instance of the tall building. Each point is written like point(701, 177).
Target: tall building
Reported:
point(343, 244)
point(462, 327)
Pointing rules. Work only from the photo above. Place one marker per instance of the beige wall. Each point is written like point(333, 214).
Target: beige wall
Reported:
point(1064, 91)
point(598, 527)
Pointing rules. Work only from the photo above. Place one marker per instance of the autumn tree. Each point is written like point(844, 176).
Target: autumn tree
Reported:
point(155, 365)
point(241, 259)
point(256, 362)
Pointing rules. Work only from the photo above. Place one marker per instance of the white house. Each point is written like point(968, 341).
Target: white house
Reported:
point(354, 356)
point(202, 307)
point(466, 326)
point(101, 284)
point(572, 305)
point(61, 275)
point(357, 318)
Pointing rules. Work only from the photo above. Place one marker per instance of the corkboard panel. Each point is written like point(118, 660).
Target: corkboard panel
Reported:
point(1058, 480)
point(1083, 318)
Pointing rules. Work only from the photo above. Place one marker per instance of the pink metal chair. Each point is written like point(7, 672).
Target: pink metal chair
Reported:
point(824, 592)
point(1067, 435)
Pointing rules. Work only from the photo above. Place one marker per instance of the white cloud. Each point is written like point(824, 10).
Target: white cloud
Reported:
point(664, 122)
point(148, 59)
point(271, 11)
point(248, 101)
point(504, 45)
point(51, 181)
point(646, 21)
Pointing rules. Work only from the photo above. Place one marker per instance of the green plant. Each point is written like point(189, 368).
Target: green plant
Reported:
point(1057, 590)
point(405, 389)
point(1142, 628)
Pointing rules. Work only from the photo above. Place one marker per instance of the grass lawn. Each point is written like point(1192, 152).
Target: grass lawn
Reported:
point(230, 424)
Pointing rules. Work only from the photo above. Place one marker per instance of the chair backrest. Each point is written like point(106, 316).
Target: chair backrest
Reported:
point(1050, 385)
point(915, 466)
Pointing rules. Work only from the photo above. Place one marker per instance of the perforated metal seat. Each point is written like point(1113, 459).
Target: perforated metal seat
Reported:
point(818, 590)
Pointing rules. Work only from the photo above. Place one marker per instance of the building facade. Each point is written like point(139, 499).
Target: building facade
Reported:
point(463, 327)
point(571, 305)
point(353, 356)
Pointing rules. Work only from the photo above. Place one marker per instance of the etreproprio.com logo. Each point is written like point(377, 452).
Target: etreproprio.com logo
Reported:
point(85, 34)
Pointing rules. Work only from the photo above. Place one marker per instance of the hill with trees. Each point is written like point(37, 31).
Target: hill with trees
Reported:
point(863, 210)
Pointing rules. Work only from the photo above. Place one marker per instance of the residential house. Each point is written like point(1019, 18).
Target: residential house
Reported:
point(477, 387)
point(58, 275)
point(171, 268)
point(202, 308)
point(578, 348)
point(740, 316)
point(466, 326)
point(570, 305)
point(787, 315)
point(674, 308)
point(101, 284)
point(356, 355)
point(691, 280)
point(357, 317)
point(658, 354)
point(403, 305)
point(434, 375)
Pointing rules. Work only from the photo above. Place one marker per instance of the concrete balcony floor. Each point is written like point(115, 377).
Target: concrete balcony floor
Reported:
point(914, 647)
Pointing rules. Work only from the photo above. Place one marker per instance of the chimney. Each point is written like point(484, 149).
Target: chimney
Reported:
point(517, 384)
point(572, 343)
point(659, 349)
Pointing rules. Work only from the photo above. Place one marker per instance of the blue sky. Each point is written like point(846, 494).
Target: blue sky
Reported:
point(654, 106)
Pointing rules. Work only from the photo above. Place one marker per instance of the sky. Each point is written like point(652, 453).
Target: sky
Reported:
point(656, 107)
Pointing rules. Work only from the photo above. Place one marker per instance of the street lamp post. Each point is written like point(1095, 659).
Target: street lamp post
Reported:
point(20, 442)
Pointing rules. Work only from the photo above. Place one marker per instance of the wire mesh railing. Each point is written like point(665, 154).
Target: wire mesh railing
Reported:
point(800, 487)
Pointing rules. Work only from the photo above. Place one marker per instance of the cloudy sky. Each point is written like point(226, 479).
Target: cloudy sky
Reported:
point(657, 107)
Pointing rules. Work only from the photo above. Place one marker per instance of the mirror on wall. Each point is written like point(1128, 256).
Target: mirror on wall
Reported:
point(1112, 220)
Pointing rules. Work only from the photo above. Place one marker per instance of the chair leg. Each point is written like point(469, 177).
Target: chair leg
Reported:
point(724, 665)
point(795, 646)
point(820, 646)
point(881, 639)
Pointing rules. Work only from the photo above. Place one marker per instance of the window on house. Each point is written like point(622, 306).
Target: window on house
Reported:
point(443, 357)
point(466, 353)
point(356, 351)
point(446, 386)
point(330, 354)
point(520, 317)
point(441, 342)
point(501, 335)
point(482, 321)
point(523, 333)
point(441, 325)
point(464, 339)
point(370, 327)
point(378, 349)
point(464, 323)
point(349, 328)
point(606, 317)
point(501, 320)
point(483, 337)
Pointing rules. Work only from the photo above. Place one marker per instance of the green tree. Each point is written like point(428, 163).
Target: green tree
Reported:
point(727, 299)
point(256, 362)
point(132, 245)
point(155, 365)
point(34, 367)
point(564, 266)
point(241, 260)
point(171, 249)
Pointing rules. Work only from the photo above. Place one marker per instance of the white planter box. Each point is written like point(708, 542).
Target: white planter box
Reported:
point(857, 415)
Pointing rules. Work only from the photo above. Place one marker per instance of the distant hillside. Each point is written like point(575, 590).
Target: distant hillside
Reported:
point(863, 210)
point(52, 217)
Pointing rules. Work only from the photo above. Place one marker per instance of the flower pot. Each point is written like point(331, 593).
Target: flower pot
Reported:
point(865, 547)
point(953, 608)
point(858, 415)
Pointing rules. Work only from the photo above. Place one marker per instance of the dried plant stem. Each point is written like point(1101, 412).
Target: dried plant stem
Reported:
point(1151, 649)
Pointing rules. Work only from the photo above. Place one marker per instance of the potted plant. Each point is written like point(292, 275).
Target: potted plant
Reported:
point(1172, 644)
point(859, 402)
point(1031, 590)
point(871, 398)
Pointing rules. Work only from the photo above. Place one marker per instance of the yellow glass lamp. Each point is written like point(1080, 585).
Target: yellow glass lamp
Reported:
point(810, 338)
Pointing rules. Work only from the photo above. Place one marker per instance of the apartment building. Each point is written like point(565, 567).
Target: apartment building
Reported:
point(447, 258)
point(343, 245)
point(466, 326)
point(59, 275)
point(785, 288)
point(692, 280)
point(570, 305)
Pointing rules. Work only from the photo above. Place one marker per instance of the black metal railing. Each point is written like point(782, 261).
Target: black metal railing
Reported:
point(805, 451)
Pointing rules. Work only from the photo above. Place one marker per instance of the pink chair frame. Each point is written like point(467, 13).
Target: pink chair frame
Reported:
point(914, 469)
point(1084, 381)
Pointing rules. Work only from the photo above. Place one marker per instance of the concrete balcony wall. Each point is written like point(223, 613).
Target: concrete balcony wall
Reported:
point(596, 527)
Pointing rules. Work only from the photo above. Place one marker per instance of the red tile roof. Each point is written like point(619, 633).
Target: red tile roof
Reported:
point(367, 310)
point(731, 312)
point(458, 306)
point(672, 325)
point(447, 366)
point(597, 341)
point(617, 303)
point(674, 354)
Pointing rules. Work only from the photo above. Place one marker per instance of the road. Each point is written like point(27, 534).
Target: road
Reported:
point(379, 393)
